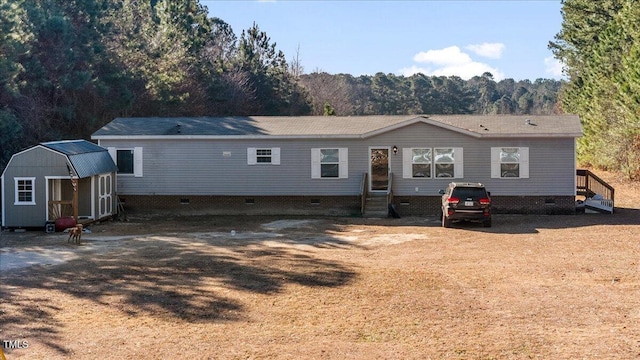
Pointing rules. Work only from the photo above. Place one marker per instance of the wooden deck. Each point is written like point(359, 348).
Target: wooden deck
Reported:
point(598, 195)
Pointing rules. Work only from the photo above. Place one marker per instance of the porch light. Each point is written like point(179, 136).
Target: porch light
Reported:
point(395, 150)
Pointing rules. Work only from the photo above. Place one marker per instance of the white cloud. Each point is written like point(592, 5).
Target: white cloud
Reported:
point(449, 62)
point(489, 50)
point(414, 70)
point(553, 67)
point(446, 56)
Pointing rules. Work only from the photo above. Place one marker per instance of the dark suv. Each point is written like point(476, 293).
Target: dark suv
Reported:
point(466, 201)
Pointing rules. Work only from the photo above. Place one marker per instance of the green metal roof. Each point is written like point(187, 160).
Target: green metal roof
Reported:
point(86, 158)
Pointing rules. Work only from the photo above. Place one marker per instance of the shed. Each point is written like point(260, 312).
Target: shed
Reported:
point(55, 179)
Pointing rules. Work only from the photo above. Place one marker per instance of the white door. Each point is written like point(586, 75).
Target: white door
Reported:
point(105, 193)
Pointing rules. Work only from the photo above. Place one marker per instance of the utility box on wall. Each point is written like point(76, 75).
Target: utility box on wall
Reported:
point(50, 227)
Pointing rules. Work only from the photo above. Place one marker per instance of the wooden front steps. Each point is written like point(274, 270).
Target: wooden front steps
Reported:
point(376, 206)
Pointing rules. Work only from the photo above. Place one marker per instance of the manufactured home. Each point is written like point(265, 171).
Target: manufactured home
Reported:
point(341, 165)
point(73, 178)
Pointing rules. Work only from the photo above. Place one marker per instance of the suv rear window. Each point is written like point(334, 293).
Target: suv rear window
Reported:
point(468, 192)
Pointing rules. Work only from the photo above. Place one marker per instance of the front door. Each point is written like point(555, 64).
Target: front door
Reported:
point(379, 169)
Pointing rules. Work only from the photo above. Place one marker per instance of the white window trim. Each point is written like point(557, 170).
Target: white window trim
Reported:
point(137, 159)
point(343, 163)
point(33, 191)
point(495, 162)
point(252, 156)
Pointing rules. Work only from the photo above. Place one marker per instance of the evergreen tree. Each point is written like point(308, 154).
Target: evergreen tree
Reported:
point(598, 45)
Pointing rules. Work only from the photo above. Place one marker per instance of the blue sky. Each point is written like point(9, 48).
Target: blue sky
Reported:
point(463, 38)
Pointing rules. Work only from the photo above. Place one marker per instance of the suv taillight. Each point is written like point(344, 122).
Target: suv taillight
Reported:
point(453, 200)
point(485, 201)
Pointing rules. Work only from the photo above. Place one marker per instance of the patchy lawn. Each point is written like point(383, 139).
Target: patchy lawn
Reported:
point(540, 287)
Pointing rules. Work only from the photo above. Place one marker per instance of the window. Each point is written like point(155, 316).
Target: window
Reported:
point(432, 163)
point(125, 161)
point(444, 162)
point(25, 191)
point(263, 156)
point(510, 162)
point(417, 162)
point(128, 160)
point(329, 163)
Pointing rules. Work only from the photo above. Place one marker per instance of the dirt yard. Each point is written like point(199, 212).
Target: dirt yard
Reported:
point(530, 287)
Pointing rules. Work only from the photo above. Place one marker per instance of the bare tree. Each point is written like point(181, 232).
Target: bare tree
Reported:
point(332, 90)
point(295, 68)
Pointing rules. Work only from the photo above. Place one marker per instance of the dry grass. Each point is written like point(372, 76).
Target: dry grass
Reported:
point(531, 287)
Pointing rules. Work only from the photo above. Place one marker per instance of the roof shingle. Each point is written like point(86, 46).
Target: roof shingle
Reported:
point(339, 126)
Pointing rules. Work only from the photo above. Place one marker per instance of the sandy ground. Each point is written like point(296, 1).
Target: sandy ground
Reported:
point(530, 287)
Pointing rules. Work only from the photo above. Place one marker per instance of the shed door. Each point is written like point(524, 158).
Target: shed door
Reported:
point(105, 200)
point(379, 169)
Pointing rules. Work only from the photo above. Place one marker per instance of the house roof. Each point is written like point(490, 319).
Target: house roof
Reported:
point(337, 126)
point(86, 158)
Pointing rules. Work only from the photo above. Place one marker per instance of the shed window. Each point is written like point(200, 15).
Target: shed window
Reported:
point(510, 162)
point(25, 191)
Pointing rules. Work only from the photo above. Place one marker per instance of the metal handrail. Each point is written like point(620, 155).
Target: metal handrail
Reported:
point(364, 192)
point(390, 189)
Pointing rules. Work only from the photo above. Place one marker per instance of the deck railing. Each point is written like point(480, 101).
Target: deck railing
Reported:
point(589, 184)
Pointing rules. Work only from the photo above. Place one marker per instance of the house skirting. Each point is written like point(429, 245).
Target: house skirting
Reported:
point(430, 205)
point(243, 205)
point(329, 205)
point(549, 205)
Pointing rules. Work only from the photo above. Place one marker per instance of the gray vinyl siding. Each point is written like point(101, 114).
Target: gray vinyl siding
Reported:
point(552, 162)
point(198, 167)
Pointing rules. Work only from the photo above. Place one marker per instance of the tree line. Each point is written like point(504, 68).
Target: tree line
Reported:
point(599, 44)
point(67, 67)
point(389, 94)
